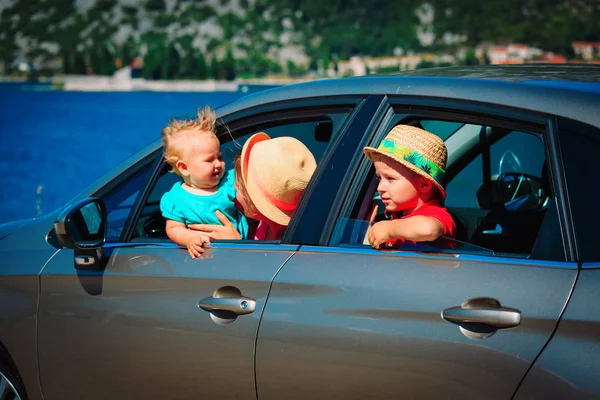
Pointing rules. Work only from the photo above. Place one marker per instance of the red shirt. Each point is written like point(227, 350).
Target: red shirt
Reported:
point(429, 209)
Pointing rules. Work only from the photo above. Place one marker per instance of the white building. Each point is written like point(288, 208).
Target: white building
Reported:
point(587, 50)
point(357, 66)
point(514, 53)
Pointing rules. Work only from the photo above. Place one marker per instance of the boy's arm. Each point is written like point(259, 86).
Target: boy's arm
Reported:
point(180, 234)
point(419, 228)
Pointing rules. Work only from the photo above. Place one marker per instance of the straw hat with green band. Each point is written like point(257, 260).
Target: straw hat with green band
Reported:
point(416, 149)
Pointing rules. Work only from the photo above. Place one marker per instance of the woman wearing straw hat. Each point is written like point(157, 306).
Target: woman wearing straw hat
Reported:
point(270, 178)
point(410, 165)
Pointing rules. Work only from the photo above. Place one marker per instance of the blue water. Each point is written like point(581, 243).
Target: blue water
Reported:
point(58, 142)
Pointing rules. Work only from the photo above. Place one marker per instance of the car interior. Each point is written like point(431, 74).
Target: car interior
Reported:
point(320, 131)
point(498, 188)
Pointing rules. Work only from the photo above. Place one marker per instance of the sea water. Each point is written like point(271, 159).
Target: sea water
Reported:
point(55, 143)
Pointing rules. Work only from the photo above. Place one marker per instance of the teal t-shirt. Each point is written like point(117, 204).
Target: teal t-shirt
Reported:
point(182, 206)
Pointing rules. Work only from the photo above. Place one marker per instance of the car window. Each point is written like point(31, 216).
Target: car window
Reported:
point(120, 200)
point(498, 192)
point(316, 130)
point(443, 129)
point(580, 148)
point(513, 153)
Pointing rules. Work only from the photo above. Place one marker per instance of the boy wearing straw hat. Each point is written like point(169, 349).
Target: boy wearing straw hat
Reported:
point(410, 166)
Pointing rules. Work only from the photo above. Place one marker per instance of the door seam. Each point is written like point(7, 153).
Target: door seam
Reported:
point(261, 317)
point(551, 335)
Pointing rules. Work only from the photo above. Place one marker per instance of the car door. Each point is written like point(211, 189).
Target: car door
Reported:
point(346, 321)
point(568, 367)
point(154, 323)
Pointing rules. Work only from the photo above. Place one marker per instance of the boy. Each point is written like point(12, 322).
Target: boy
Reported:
point(410, 164)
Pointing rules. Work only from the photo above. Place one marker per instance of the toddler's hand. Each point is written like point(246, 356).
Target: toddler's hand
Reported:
point(379, 233)
point(195, 245)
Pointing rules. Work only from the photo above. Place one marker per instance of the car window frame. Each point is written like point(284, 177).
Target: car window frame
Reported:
point(582, 222)
point(151, 159)
point(480, 114)
point(239, 120)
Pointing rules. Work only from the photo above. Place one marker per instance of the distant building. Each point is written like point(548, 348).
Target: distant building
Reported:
point(357, 66)
point(587, 50)
point(137, 65)
point(354, 67)
point(514, 53)
point(549, 57)
point(54, 64)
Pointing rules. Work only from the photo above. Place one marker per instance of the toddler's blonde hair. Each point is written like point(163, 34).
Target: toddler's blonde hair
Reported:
point(172, 134)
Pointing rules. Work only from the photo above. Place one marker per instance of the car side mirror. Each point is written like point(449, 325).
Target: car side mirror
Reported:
point(82, 226)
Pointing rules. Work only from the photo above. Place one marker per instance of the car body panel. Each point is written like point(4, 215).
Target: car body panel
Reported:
point(136, 331)
point(570, 366)
point(362, 324)
point(23, 254)
point(573, 103)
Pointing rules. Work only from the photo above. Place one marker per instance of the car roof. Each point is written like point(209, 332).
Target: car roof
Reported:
point(571, 91)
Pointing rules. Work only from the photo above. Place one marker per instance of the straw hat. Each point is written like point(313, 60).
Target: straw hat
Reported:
point(416, 149)
point(276, 172)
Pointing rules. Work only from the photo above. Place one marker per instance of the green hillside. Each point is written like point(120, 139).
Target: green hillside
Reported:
point(223, 39)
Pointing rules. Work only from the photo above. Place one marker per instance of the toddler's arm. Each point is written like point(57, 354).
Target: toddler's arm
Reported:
point(193, 240)
point(419, 228)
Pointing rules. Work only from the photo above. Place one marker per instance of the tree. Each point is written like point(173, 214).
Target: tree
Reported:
point(228, 66)
point(471, 58)
point(172, 63)
point(201, 70)
point(215, 68)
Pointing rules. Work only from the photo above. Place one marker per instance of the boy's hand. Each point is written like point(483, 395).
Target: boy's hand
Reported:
point(372, 216)
point(380, 233)
point(195, 245)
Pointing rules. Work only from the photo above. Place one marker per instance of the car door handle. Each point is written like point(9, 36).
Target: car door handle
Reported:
point(500, 318)
point(237, 305)
point(496, 231)
point(483, 310)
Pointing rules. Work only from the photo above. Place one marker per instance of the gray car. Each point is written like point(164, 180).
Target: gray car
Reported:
point(97, 303)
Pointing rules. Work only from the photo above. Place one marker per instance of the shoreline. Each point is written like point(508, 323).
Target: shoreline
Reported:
point(123, 83)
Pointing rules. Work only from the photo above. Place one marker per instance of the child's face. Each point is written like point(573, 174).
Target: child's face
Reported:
point(202, 165)
point(248, 207)
point(398, 185)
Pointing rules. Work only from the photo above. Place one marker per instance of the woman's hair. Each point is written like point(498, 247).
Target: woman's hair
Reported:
point(174, 139)
point(240, 185)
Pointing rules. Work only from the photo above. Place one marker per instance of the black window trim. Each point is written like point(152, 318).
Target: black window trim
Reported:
point(311, 229)
point(559, 178)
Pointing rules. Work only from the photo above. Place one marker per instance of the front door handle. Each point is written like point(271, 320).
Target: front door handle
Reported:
point(237, 305)
point(482, 317)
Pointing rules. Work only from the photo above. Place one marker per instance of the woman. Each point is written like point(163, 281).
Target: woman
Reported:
point(270, 178)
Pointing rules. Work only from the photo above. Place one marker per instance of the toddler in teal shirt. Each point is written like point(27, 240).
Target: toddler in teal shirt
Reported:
point(193, 151)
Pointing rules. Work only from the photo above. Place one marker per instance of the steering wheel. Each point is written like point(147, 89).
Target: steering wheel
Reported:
point(509, 163)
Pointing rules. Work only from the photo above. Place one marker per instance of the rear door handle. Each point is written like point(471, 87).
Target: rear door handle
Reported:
point(482, 316)
point(237, 305)
point(500, 318)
